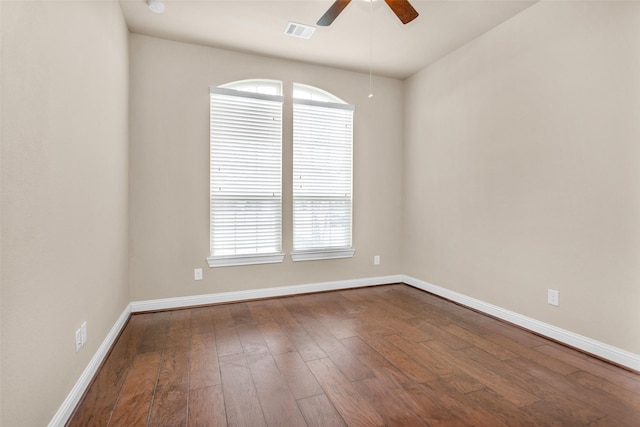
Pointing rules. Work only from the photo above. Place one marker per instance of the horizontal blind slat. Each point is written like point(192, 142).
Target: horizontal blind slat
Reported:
point(322, 177)
point(245, 173)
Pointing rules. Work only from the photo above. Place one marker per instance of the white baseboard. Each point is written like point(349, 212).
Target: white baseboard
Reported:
point(188, 301)
point(74, 396)
point(588, 345)
point(597, 348)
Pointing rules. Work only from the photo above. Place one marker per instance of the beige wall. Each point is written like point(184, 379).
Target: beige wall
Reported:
point(519, 169)
point(521, 158)
point(170, 170)
point(64, 195)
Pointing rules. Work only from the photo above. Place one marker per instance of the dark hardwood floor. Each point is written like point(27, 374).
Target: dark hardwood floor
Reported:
point(389, 355)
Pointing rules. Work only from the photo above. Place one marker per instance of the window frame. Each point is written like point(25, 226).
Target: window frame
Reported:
point(316, 97)
point(276, 256)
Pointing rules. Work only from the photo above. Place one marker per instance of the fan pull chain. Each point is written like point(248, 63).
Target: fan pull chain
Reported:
point(371, 49)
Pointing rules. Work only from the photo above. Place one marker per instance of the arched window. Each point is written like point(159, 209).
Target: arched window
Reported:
point(246, 173)
point(313, 93)
point(322, 175)
point(262, 86)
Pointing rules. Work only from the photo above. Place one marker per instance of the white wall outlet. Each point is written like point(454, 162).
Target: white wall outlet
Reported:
point(78, 339)
point(83, 332)
point(197, 274)
point(553, 297)
point(376, 260)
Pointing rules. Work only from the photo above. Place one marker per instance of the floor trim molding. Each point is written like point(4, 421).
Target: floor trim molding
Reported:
point(222, 297)
point(605, 351)
point(66, 409)
point(597, 348)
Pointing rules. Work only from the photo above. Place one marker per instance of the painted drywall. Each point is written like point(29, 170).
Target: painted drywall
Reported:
point(1, 357)
point(64, 195)
point(169, 172)
point(521, 169)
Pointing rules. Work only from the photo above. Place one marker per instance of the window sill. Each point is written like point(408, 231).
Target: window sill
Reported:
point(322, 254)
point(233, 260)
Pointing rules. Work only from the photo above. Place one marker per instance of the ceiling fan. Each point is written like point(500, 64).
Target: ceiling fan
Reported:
point(402, 8)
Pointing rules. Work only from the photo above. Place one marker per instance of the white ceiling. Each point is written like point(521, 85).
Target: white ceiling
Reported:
point(257, 26)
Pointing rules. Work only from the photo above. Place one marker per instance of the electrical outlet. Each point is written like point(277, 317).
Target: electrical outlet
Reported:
point(553, 297)
point(83, 333)
point(197, 274)
point(376, 260)
point(78, 339)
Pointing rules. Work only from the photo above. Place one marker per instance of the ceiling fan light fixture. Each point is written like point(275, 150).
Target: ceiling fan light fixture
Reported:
point(402, 8)
point(155, 6)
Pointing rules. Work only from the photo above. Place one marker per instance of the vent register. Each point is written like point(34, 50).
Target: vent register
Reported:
point(302, 31)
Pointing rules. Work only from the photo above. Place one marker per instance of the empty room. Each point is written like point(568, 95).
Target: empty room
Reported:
point(320, 213)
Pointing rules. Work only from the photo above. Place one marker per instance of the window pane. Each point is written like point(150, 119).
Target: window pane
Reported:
point(246, 173)
point(322, 176)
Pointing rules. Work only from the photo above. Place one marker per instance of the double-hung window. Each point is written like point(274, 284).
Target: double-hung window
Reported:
point(322, 175)
point(246, 173)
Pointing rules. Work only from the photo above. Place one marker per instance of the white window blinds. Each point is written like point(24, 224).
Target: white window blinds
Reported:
point(322, 178)
point(246, 177)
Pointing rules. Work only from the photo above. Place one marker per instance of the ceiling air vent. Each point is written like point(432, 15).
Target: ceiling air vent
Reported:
point(299, 30)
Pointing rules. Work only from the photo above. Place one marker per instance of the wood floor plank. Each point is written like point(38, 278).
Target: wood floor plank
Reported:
point(480, 342)
point(375, 302)
point(170, 403)
point(204, 370)
point(344, 360)
point(260, 312)
point(501, 410)
point(206, 407)
point(319, 412)
point(520, 335)
point(156, 332)
point(462, 410)
point(241, 314)
point(584, 363)
point(420, 400)
point(227, 340)
point(176, 360)
point(336, 351)
point(441, 366)
point(414, 304)
point(617, 410)
point(531, 354)
point(201, 321)
point(575, 405)
point(441, 335)
point(613, 390)
point(389, 318)
point(399, 358)
point(251, 338)
point(549, 413)
point(278, 403)
point(496, 382)
point(523, 379)
point(406, 330)
point(135, 399)
point(389, 355)
point(298, 336)
point(180, 320)
point(392, 409)
point(169, 407)
point(242, 404)
point(277, 341)
point(296, 373)
point(353, 408)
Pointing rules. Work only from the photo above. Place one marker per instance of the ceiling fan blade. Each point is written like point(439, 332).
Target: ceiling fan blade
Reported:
point(403, 9)
point(332, 13)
